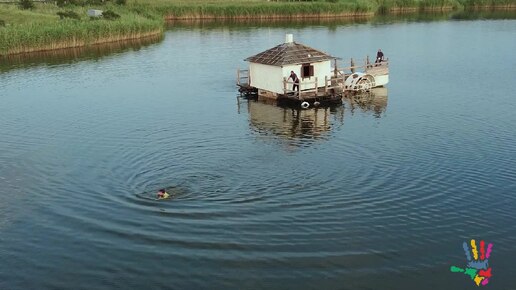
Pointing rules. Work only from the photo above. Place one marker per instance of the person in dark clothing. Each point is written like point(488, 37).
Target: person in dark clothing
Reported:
point(295, 79)
point(379, 56)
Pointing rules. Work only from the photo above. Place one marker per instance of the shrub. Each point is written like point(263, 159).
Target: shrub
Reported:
point(63, 3)
point(110, 15)
point(26, 4)
point(68, 14)
point(94, 2)
point(2, 23)
point(121, 2)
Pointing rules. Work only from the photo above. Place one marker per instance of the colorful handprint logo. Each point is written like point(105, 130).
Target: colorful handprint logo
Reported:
point(477, 268)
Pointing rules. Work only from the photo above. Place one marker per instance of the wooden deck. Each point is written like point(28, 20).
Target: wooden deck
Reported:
point(321, 95)
point(377, 69)
point(324, 101)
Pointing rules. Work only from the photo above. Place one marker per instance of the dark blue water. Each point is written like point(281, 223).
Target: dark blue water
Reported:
point(375, 195)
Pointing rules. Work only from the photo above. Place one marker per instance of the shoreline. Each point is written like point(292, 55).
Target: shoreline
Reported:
point(98, 50)
point(362, 15)
point(390, 10)
point(270, 16)
point(77, 41)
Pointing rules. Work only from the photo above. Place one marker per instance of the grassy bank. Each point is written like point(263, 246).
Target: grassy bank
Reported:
point(40, 28)
point(227, 9)
point(262, 9)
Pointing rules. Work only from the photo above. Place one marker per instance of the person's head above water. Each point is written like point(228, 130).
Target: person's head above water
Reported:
point(162, 193)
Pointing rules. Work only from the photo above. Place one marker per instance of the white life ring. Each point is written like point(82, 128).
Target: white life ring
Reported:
point(305, 105)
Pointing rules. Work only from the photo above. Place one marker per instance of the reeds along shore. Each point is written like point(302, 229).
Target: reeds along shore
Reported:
point(57, 34)
point(40, 29)
point(315, 9)
point(96, 51)
point(72, 41)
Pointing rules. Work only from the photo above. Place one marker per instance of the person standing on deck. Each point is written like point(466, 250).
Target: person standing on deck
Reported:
point(295, 79)
point(379, 56)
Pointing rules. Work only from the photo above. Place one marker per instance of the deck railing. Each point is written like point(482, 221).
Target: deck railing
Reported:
point(309, 87)
point(331, 85)
point(352, 68)
point(243, 78)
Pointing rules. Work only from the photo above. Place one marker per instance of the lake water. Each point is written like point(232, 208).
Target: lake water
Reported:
point(378, 195)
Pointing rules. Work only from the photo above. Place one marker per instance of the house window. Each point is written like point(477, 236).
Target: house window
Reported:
point(307, 70)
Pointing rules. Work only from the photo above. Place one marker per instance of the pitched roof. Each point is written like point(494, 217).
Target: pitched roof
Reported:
point(289, 53)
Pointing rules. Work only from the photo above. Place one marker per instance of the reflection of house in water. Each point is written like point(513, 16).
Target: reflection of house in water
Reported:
point(374, 101)
point(295, 126)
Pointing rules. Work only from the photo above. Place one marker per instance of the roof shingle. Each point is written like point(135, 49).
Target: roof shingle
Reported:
point(289, 53)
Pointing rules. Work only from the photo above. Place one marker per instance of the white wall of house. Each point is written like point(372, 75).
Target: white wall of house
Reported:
point(321, 69)
point(270, 78)
point(266, 77)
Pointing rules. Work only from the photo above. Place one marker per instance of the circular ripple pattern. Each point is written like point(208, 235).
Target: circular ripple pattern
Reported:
point(367, 196)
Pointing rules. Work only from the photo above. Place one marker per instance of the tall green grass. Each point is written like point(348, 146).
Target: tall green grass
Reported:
point(264, 9)
point(488, 3)
point(13, 15)
point(72, 33)
point(176, 9)
point(386, 6)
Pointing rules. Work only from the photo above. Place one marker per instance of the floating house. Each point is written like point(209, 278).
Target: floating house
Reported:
point(320, 81)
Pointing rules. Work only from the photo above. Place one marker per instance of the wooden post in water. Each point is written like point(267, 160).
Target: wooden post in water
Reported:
point(238, 76)
point(335, 70)
point(325, 86)
point(367, 61)
point(316, 86)
point(352, 66)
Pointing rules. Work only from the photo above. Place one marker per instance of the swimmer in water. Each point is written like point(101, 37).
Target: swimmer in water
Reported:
point(162, 194)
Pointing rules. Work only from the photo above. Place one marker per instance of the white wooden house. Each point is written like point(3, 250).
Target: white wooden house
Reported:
point(269, 69)
point(319, 81)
